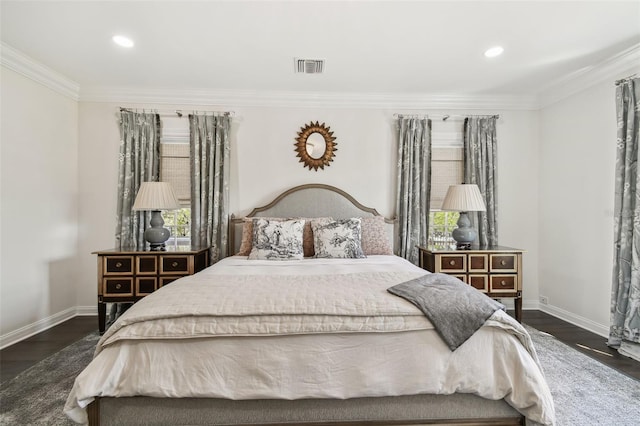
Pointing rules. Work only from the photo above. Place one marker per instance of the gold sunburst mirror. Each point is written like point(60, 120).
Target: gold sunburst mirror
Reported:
point(315, 145)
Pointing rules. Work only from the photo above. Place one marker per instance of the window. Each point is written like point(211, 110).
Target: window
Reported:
point(179, 223)
point(175, 168)
point(441, 224)
point(446, 169)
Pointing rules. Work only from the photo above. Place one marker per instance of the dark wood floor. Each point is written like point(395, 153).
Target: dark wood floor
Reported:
point(582, 340)
point(23, 355)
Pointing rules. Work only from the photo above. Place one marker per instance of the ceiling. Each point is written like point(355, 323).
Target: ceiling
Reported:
point(396, 47)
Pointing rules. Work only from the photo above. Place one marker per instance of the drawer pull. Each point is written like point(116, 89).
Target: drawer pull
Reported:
point(119, 265)
point(503, 262)
point(452, 262)
point(174, 264)
point(503, 283)
point(118, 286)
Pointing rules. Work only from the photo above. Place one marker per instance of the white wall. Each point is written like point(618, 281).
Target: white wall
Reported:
point(577, 171)
point(264, 164)
point(39, 223)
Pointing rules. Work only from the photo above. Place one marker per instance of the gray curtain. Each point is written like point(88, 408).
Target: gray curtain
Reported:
point(139, 162)
point(413, 185)
point(480, 162)
point(209, 144)
point(624, 332)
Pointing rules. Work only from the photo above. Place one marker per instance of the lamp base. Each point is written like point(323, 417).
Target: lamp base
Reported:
point(463, 246)
point(157, 247)
point(156, 235)
point(464, 234)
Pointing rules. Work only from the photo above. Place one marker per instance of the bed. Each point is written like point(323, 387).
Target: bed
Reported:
point(313, 341)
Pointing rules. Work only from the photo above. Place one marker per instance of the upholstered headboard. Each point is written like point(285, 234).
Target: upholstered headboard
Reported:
point(311, 200)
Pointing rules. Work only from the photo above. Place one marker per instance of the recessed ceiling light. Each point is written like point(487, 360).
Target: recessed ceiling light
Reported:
point(494, 51)
point(122, 41)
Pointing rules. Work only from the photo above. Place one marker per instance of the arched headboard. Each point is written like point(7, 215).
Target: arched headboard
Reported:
point(310, 200)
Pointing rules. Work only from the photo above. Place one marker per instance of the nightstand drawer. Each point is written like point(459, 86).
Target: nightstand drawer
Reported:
point(147, 265)
point(118, 287)
point(167, 280)
point(503, 262)
point(479, 282)
point(503, 283)
point(174, 264)
point(478, 263)
point(118, 265)
point(451, 263)
point(146, 285)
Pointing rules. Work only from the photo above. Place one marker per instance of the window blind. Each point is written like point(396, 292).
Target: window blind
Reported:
point(446, 169)
point(174, 168)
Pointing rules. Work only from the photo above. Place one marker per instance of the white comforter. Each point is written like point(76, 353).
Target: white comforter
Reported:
point(303, 329)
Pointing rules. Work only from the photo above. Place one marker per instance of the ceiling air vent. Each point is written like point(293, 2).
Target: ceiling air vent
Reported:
point(309, 66)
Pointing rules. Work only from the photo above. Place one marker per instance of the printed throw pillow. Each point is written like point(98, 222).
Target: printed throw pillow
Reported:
point(277, 240)
point(246, 242)
point(339, 238)
point(374, 236)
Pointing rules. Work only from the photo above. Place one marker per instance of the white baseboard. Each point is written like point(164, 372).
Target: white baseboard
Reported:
point(45, 324)
point(582, 322)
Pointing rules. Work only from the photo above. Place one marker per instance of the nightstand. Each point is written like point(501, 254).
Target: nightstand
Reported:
point(129, 275)
point(496, 271)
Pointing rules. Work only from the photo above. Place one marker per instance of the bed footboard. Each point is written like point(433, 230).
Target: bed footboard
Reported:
point(457, 409)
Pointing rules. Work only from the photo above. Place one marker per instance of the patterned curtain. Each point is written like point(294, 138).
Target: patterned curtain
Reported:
point(624, 332)
point(139, 162)
point(413, 185)
point(209, 144)
point(480, 162)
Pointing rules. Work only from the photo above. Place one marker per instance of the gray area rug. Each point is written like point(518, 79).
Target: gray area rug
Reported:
point(585, 391)
point(37, 395)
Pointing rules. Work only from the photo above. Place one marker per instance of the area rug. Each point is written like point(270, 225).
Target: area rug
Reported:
point(37, 395)
point(585, 391)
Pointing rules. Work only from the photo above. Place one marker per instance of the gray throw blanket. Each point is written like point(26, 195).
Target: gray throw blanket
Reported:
point(455, 309)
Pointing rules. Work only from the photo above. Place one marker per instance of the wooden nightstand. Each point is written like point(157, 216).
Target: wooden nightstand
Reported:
point(496, 271)
point(129, 275)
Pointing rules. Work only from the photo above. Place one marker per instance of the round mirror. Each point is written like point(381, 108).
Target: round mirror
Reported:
point(315, 145)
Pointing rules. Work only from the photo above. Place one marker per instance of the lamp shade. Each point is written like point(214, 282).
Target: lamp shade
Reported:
point(156, 196)
point(463, 198)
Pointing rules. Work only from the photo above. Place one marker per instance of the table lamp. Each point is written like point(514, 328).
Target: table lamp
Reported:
point(464, 198)
point(156, 196)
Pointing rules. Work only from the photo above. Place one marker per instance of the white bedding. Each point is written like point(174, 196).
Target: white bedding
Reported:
point(315, 328)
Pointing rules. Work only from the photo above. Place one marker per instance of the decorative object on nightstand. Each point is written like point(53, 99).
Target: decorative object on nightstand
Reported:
point(464, 198)
point(156, 196)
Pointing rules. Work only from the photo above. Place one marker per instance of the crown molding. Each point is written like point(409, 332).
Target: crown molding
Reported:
point(608, 70)
point(19, 62)
point(22, 64)
point(240, 98)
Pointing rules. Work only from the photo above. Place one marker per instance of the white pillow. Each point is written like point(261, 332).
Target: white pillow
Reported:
point(339, 238)
point(277, 239)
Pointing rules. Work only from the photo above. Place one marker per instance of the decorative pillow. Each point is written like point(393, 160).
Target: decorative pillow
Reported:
point(246, 241)
point(374, 236)
point(337, 238)
point(277, 239)
point(247, 237)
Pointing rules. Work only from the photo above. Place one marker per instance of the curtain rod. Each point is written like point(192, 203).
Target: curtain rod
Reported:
point(444, 117)
point(622, 80)
point(179, 113)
